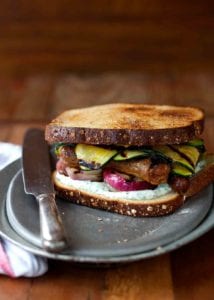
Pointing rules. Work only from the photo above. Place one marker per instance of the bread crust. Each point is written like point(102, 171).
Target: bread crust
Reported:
point(127, 124)
point(59, 134)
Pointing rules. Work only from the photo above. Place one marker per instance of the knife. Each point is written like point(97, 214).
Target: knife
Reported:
point(37, 181)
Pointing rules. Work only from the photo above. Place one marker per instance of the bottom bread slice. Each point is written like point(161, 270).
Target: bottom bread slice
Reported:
point(159, 206)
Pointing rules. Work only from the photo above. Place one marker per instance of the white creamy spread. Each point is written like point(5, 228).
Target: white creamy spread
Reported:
point(101, 188)
point(200, 165)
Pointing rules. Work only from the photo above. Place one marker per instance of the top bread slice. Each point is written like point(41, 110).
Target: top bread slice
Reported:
point(127, 124)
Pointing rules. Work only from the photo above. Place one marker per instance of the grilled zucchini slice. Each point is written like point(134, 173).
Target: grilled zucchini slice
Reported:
point(197, 143)
point(190, 152)
point(128, 154)
point(180, 170)
point(176, 157)
point(93, 157)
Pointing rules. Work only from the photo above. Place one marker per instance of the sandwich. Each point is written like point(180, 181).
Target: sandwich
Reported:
point(132, 159)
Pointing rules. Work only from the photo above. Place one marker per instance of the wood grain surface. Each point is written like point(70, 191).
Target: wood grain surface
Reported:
point(62, 35)
point(186, 273)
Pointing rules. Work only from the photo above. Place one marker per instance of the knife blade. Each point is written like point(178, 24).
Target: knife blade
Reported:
point(37, 182)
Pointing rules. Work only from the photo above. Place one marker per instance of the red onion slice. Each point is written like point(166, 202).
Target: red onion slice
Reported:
point(118, 182)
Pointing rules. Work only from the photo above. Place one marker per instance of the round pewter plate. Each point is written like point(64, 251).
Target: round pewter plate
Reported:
point(99, 236)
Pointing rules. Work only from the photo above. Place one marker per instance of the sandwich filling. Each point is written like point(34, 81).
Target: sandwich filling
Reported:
point(126, 169)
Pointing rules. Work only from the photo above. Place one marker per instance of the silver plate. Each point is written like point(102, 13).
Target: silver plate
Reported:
point(97, 236)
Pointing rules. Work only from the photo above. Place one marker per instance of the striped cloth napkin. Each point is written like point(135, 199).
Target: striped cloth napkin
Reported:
point(15, 261)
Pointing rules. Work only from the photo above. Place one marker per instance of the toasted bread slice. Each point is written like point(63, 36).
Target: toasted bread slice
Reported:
point(203, 178)
point(127, 124)
point(159, 206)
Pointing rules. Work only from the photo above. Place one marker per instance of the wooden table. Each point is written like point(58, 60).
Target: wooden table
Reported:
point(186, 273)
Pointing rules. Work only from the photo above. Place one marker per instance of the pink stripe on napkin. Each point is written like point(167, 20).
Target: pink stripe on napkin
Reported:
point(4, 262)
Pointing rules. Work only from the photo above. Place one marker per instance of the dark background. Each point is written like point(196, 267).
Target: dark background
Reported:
point(109, 35)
